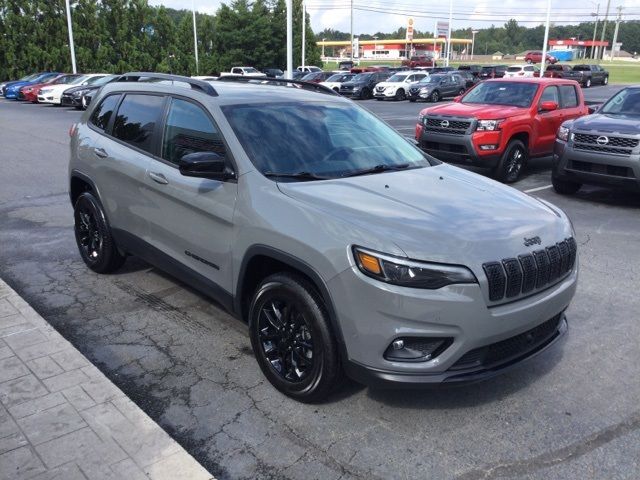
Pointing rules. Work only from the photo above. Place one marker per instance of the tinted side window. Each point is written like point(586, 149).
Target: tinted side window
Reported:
point(137, 118)
point(550, 94)
point(103, 112)
point(569, 96)
point(188, 130)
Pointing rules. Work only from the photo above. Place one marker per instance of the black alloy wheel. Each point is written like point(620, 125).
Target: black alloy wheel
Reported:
point(292, 339)
point(93, 236)
point(401, 95)
point(435, 96)
point(512, 162)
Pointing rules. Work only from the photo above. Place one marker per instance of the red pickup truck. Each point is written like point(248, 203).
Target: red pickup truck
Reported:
point(500, 124)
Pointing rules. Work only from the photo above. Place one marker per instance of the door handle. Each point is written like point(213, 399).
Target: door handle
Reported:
point(158, 178)
point(100, 152)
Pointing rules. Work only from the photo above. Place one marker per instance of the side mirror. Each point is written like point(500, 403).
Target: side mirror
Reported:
point(457, 99)
point(548, 106)
point(205, 165)
point(593, 108)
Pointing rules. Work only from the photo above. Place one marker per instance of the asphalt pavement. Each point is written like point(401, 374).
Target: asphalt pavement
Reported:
point(572, 413)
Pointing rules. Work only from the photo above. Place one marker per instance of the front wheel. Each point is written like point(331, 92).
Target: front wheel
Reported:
point(400, 95)
point(292, 339)
point(93, 236)
point(605, 81)
point(564, 187)
point(435, 96)
point(512, 162)
point(367, 94)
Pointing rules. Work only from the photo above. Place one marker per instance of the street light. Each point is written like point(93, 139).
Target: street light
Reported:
point(595, 28)
point(473, 40)
point(546, 40)
point(195, 35)
point(73, 51)
point(323, 40)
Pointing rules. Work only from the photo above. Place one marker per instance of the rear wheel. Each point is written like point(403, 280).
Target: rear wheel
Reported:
point(529, 61)
point(564, 187)
point(367, 94)
point(512, 162)
point(587, 83)
point(93, 236)
point(400, 95)
point(292, 339)
point(435, 96)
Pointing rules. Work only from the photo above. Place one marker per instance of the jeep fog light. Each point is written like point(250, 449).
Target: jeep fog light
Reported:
point(416, 349)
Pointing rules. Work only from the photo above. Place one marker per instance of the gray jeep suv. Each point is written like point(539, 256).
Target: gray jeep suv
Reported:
point(343, 246)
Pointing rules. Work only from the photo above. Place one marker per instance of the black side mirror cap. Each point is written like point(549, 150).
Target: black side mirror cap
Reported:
point(205, 165)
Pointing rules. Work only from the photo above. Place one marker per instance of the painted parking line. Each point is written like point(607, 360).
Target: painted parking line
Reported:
point(537, 189)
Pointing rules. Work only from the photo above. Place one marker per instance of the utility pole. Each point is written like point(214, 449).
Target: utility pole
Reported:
point(289, 39)
point(595, 28)
point(473, 41)
point(546, 40)
point(604, 26)
point(71, 46)
point(449, 34)
point(351, 31)
point(304, 30)
point(195, 34)
point(615, 33)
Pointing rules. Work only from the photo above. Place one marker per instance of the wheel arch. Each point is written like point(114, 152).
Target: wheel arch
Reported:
point(78, 184)
point(523, 136)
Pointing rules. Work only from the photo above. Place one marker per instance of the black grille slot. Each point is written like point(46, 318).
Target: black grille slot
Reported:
point(529, 272)
point(601, 168)
point(602, 148)
point(511, 348)
point(497, 280)
point(514, 276)
point(612, 141)
point(554, 262)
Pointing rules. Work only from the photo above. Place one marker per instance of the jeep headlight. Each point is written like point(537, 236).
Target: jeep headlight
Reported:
point(563, 133)
point(409, 273)
point(488, 125)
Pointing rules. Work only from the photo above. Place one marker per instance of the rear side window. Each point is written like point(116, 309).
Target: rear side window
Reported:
point(103, 112)
point(188, 129)
point(568, 96)
point(137, 118)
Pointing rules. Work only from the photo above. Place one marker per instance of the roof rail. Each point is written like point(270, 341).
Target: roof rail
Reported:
point(203, 86)
point(316, 87)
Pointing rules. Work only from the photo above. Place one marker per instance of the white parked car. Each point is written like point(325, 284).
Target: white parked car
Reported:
point(53, 94)
point(309, 69)
point(522, 71)
point(243, 71)
point(334, 81)
point(397, 86)
point(204, 78)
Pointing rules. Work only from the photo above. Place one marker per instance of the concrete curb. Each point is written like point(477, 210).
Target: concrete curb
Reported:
point(60, 417)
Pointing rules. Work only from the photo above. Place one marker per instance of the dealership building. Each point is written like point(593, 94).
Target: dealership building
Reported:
point(393, 49)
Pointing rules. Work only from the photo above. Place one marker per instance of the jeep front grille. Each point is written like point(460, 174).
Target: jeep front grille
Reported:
point(511, 277)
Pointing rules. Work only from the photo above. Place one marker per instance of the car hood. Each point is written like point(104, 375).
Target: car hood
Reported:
point(392, 84)
point(440, 214)
point(480, 111)
point(17, 85)
point(60, 87)
point(598, 122)
point(80, 87)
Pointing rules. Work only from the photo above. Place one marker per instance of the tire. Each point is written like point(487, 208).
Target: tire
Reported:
point(305, 374)
point(367, 94)
point(512, 162)
point(587, 83)
point(435, 96)
point(529, 61)
point(401, 95)
point(93, 236)
point(605, 81)
point(564, 187)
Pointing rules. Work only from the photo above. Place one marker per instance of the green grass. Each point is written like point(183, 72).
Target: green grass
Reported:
point(620, 72)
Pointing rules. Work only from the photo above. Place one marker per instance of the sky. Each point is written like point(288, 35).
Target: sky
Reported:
point(371, 16)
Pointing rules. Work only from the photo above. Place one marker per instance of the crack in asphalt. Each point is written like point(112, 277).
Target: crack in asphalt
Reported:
point(555, 457)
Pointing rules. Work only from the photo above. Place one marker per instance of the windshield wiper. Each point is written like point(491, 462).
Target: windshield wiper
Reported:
point(299, 175)
point(377, 169)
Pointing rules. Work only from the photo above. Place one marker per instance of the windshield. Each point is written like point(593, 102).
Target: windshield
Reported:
point(625, 102)
point(515, 94)
point(330, 140)
point(398, 77)
point(514, 69)
point(432, 79)
point(339, 77)
point(103, 80)
point(92, 80)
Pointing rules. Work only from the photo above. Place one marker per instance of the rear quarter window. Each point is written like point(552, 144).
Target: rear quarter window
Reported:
point(103, 112)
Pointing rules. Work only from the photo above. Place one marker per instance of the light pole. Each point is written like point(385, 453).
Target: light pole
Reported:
point(352, 31)
point(546, 40)
point(449, 34)
point(304, 30)
point(473, 41)
point(604, 25)
point(595, 28)
point(615, 33)
point(195, 34)
point(289, 40)
point(323, 40)
point(73, 51)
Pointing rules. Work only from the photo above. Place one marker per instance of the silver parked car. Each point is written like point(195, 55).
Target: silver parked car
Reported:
point(344, 247)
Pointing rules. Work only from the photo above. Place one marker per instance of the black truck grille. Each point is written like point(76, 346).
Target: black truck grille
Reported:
point(511, 348)
point(532, 271)
point(601, 168)
point(444, 125)
point(604, 143)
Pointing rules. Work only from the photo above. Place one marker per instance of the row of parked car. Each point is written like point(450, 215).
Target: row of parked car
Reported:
point(67, 89)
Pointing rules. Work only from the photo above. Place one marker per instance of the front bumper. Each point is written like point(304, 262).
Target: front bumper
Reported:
point(70, 101)
point(461, 149)
point(596, 168)
point(372, 315)
point(417, 95)
point(49, 98)
point(386, 93)
point(355, 94)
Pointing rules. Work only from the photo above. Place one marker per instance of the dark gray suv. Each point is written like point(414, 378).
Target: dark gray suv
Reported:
point(343, 246)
